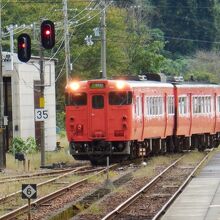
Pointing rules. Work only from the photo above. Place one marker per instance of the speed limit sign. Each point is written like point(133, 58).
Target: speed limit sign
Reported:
point(41, 114)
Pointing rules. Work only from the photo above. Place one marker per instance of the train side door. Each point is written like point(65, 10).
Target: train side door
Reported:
point(138, 117)
point(97, 116)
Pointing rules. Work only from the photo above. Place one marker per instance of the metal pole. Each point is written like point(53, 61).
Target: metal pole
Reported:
point(107, 169)
point(11, 31)
point(42, 141)
point(29, 209)
point(103, 37)
point(2, 128)
point(67, 45)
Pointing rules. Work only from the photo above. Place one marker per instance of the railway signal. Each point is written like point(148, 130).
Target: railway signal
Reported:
point(24, 47)
point(47, 34)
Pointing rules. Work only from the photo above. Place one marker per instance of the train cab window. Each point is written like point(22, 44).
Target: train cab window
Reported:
point(76, 99)
point(182, 105)
point(120, 98)
point(97, 101)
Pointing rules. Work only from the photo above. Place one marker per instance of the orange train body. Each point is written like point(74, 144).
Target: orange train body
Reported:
point(117, 118)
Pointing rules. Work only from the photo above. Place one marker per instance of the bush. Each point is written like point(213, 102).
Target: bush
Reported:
point(61, 120)
point(20, 145)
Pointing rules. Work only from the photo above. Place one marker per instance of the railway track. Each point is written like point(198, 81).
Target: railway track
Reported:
point(152, 200)
point(8, 179)
point(15, 205)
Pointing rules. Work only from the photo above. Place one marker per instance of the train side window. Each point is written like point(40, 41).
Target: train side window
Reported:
point(161, 105)
point(120, 98)
point(205, 104)
point(197, 104)
point(201, 104)
point(209, 105)
point(76, 99)
point(154, 106)
point(218, 103)
point(138, 106)
point(97, 101)
point(170, 105)
point(182, 105)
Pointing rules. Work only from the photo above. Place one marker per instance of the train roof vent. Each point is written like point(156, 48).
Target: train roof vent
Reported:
point(155, 76)
point(142, 77)
point(175, 79)
point(128, 77)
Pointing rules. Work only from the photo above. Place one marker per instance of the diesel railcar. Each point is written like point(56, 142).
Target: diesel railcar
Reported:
point(122, 119)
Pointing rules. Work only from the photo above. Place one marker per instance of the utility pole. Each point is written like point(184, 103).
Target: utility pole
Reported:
point(2, 128)
point(67, 45)
point(11, 32)
point(41, 105)
point(42, 135)
point(103, 37)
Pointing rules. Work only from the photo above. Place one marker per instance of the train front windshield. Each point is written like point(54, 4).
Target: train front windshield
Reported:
point(120, 98)
point(76, 99)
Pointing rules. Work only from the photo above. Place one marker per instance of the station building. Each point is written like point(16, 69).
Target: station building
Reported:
point(21, 83)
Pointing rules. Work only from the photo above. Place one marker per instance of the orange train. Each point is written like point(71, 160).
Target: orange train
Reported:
point(123, 119)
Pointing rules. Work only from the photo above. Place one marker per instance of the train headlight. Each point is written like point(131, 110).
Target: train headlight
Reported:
point(120, 84)
point(74, 86)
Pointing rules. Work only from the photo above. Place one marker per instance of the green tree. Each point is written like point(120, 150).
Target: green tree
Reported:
point(188, 25)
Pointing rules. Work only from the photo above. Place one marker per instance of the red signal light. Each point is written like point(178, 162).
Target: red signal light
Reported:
point(47, 34)
point(24, 47)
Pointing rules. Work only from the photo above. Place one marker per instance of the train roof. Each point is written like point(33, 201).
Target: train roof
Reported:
point(134, 83)
point(149, 84)
point(197, 85)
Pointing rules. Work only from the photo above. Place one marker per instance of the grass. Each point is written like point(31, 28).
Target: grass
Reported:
point(94, 209)
point(149, 169)
point(99, 178)
point(192, 157)
point(35, 158)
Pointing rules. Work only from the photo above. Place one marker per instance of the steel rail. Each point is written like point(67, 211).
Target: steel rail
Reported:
point(2, 199)
point(164, 208)
point(49, 197)
point(130, 200)
point(14, 178)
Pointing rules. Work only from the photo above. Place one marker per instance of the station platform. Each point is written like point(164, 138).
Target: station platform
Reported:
point(200, 200)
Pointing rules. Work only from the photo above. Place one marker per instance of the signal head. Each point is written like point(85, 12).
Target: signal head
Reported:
point(47, 34)
point(24, 47)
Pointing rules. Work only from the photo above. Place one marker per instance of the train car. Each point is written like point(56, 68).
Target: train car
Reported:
point(122, 118)
point(117, 118)
point(197, 115)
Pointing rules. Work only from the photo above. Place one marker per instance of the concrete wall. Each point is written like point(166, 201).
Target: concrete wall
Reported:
point(23, 76)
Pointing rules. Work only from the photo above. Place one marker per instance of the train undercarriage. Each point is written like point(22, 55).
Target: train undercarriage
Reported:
point(97, 151)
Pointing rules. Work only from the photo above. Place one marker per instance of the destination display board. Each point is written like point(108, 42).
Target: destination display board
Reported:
point(97, 85)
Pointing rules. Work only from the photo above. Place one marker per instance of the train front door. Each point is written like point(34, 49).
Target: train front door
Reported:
point(97, 116)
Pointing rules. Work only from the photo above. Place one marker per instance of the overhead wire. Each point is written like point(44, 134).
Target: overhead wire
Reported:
point(77, 25)
point(88, 14)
